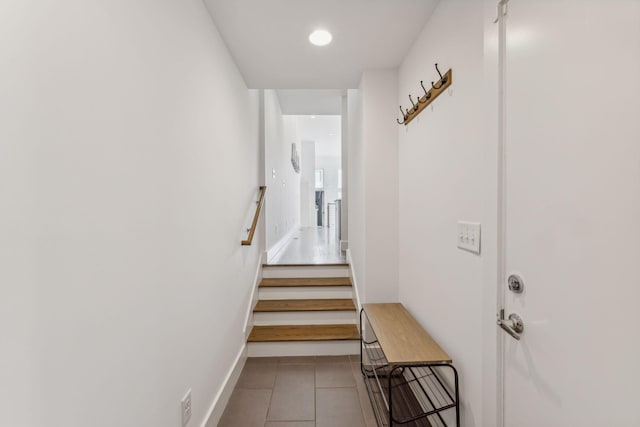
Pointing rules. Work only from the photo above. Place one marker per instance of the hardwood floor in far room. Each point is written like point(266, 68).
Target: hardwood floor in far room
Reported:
point(311, 245)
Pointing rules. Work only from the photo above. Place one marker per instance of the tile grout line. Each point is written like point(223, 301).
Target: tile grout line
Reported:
point(273, 387)
point(362, 411)
point(266, 417)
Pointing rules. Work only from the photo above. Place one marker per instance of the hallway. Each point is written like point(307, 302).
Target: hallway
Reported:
point(311, 245)
point(498, 202)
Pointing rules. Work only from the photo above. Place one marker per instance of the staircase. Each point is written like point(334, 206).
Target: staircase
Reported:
point(304, 310)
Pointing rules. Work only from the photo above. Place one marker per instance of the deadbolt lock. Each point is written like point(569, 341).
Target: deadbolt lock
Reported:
point(516, 284)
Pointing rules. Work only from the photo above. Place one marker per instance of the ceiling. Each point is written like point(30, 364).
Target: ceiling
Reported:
point(268, 38)
point(311, 102)
point(325, 131)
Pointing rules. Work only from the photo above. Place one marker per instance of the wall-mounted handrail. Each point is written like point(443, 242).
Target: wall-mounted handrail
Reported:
point(254, 224)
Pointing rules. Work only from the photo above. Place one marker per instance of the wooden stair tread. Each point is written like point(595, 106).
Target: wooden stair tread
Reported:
point(303, 333)
point(304, 281)
point(305, 305)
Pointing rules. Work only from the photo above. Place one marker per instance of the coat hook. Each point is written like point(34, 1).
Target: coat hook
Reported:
point(502, 10)
point(427, 94)
point(403, 116)
point(443, 80)
point(415, 107)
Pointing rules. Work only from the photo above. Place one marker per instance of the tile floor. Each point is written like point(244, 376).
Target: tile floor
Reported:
point(325, 391)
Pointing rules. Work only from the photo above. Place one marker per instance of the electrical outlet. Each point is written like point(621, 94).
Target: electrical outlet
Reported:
point(185, 403)
point(468, 237)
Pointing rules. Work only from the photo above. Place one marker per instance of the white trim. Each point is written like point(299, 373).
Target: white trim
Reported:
point(319, 270)
point(280, 244)
point(304, 318)
point(224, 394)
point(502, 211)
point(354, 282)
point(303, 348)
point(306, 292)
point(248, 322)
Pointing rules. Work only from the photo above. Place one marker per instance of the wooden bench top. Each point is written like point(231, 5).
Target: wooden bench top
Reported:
point(402, 339)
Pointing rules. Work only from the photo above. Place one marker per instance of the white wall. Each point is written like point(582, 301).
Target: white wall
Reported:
point(344, 131)
point(355, 196)
point(446, 176)
point(373, 176)
point(578, 161)
point(307, 184)
point(128, 160)
point(283, 200)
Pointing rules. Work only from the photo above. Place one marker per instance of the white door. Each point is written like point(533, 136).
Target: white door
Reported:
point(572, 212)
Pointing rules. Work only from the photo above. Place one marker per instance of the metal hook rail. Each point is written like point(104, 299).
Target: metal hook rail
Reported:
point(429, 96)
point(443, 80)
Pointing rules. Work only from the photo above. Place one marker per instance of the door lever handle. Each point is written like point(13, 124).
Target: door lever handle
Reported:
point(514, 325)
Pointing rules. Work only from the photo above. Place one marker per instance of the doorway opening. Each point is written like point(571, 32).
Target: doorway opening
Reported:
point(320, 209)
point(303, 173)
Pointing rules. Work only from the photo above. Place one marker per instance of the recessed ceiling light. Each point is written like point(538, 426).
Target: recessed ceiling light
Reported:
point(320, 37)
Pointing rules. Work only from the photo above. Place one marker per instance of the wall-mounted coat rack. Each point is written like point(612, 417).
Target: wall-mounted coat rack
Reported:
point(429, 96)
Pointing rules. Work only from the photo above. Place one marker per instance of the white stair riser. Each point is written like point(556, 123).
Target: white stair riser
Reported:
point(324, 292)
point(303, 348)
point(304, 318)
point(305, 271)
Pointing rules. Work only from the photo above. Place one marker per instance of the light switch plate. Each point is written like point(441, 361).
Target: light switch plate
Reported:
point(468, 236)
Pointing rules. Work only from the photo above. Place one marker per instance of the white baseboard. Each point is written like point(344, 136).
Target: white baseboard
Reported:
point(354, 281)
point(273, 251)
point(248, 322)
point(222, 398)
